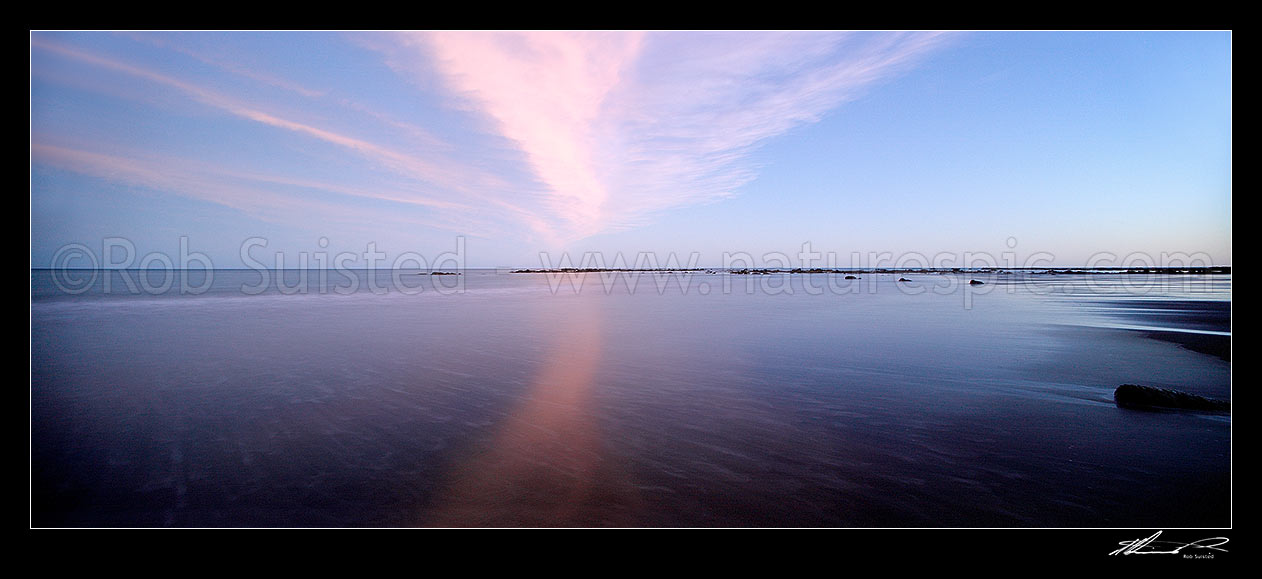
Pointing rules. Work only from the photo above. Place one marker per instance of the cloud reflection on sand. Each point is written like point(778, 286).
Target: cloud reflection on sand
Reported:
point(544, 466)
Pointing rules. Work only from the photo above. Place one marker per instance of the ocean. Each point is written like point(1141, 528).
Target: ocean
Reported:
point(249, 398)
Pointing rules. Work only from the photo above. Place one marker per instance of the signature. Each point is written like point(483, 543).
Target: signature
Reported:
point(1151, 546)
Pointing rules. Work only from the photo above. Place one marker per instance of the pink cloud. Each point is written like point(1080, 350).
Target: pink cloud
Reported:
point(621, 125)
point(546, 91)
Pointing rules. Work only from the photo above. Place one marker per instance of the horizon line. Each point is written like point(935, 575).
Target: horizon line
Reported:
point(517, 269)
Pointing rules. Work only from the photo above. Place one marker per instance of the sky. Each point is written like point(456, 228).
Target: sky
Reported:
point(529, 148)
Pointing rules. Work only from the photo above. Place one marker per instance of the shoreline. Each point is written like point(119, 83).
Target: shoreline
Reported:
point(1202, 326)
point(1213, 345)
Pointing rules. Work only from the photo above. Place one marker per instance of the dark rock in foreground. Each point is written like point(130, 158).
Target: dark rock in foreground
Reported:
point(903, 279)
point(1133, 396)
point(975, 282)
point(851, 277)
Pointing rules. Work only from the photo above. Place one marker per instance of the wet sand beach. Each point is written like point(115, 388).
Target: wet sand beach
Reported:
point(1199, 325)
point(764, 403)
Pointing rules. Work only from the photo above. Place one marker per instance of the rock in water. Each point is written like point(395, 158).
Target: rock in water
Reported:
point(975, 282)
point(1133, 396)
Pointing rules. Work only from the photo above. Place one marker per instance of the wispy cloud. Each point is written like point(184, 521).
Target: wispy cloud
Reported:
point(234, 64)
point(251, 193)
point(446, 176)
point(620, 125)
point(700, 104)
point(227, 64)
point(166, 174)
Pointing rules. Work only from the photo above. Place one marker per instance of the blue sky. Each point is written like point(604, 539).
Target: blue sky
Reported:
point(1074, 146)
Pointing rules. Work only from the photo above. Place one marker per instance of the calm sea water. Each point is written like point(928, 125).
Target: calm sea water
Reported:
point(499, 399)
